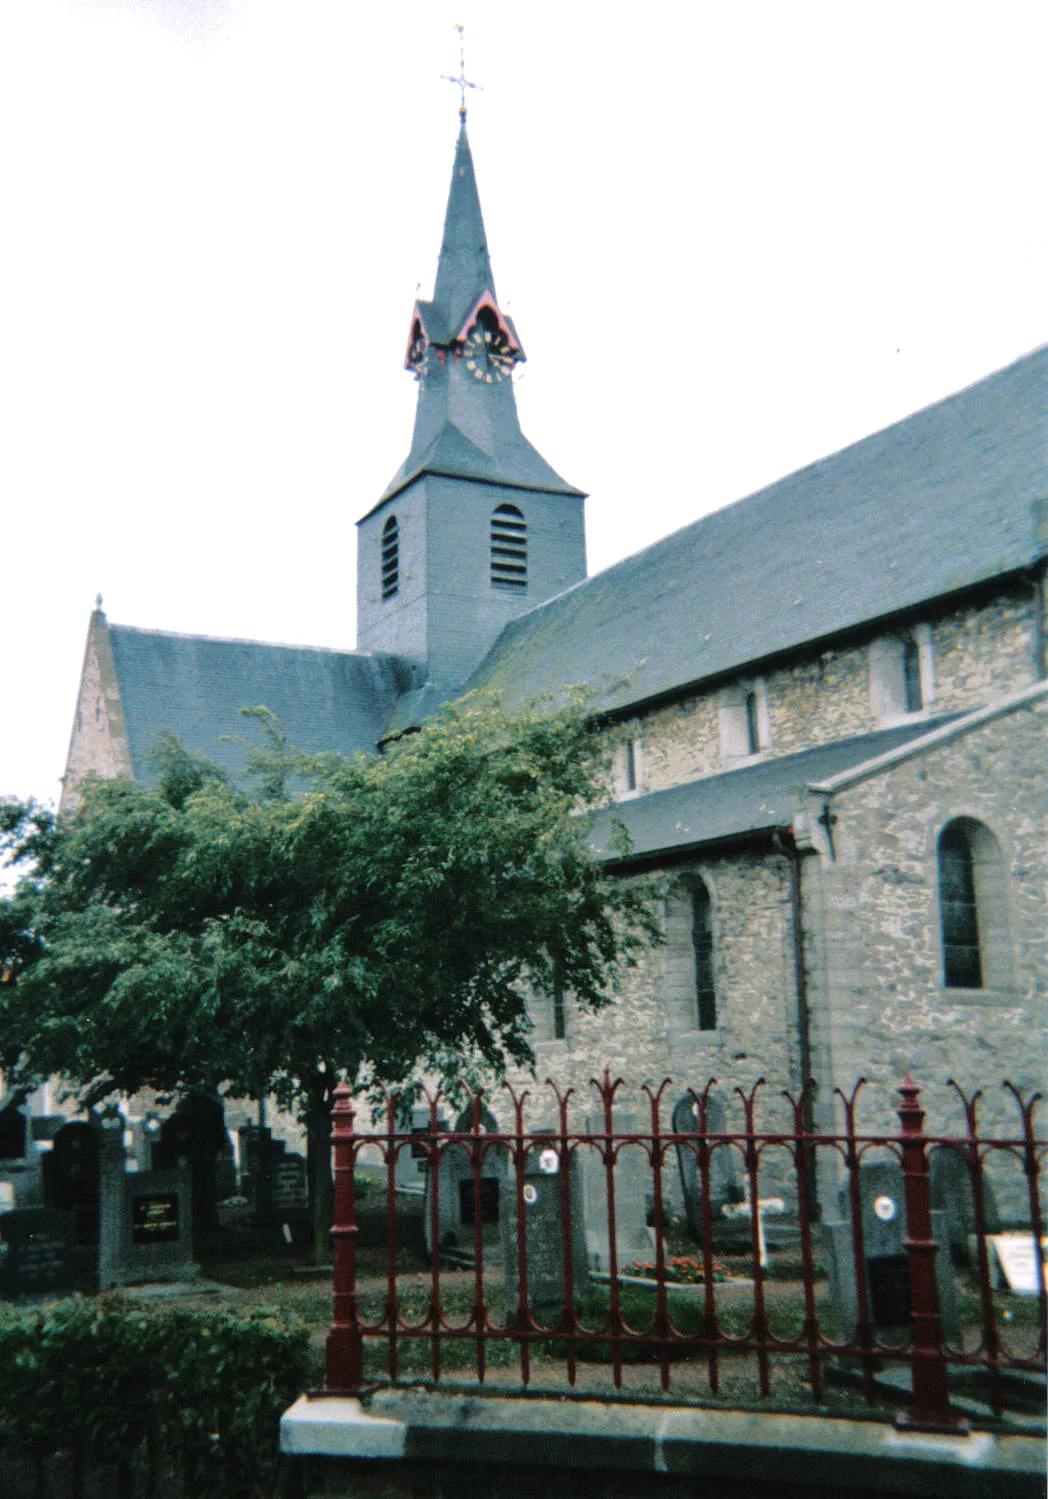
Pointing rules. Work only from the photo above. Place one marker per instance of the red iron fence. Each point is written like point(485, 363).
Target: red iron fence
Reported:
point(829, 1204)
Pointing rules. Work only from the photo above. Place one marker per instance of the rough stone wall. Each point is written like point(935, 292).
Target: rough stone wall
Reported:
point(636, 1036)
point(983, 652)
point(886, 1009)
point(980, 652)
point(98, 742)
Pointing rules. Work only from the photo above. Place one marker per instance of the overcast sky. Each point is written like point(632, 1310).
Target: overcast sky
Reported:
point(733, 238)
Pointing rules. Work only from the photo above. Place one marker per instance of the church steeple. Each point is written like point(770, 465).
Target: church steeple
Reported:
point(462, 349)
point(475, 528)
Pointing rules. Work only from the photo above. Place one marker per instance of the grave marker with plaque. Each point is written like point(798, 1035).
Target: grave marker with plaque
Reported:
point(37, 1252)
point(886, 1262)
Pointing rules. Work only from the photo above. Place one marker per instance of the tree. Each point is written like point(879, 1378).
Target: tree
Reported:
point(393, 913)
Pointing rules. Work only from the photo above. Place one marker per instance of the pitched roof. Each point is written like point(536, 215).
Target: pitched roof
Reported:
point(196, 687)
point(465, 429)
point(755, 799)
point(941, 501)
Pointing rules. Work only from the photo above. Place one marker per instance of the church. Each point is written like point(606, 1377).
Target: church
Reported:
point(832, 698)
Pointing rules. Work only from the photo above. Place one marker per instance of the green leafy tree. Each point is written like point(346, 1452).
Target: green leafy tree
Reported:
point(349, 917)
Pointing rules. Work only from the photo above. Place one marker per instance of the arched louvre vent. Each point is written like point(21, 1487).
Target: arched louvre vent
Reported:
point(390, 558)
point(509, 549)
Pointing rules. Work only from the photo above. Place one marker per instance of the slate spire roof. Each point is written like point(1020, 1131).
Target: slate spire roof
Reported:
point(466, 428)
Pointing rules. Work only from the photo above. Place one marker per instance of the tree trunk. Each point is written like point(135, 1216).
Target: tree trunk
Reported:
point(318, 1157)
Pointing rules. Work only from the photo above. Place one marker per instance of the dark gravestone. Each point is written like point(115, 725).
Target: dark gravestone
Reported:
point(724, 1181)
point(36, 1254)
point(20, 1165)
point(196, 1133)
point(543, 1211)
point(256, 1148)
point(71, 1176)
point(456, 1193)
point(413, 1158)
point(886, 1262)
point(950, 1186)
point(289, 1185)
point(145, 1217)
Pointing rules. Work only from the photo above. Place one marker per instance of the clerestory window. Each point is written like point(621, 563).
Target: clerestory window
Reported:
point(509, 550)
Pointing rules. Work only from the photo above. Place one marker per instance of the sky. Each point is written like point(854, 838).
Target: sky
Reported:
point(733, 239)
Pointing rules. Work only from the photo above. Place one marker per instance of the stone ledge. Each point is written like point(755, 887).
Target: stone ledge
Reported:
point(828, 1454)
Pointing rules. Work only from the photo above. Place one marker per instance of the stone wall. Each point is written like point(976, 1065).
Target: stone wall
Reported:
point(883, 997)
point(977, 653)
point(98, 742)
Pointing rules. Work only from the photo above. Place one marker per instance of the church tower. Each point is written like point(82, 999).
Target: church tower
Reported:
point(475, 528)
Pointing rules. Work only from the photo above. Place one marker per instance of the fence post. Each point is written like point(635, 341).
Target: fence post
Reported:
point(345, 1349)
point(930, 1410)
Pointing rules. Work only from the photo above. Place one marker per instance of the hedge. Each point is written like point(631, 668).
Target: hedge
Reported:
point(109, 1380)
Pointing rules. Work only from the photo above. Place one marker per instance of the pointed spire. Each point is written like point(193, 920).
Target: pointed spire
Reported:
point(466, 423)
point(464, 269)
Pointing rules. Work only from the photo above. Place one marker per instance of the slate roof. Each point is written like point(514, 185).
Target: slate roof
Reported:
point(464, 430)
point(943, 500)
point(755, 799)
point(196, 686)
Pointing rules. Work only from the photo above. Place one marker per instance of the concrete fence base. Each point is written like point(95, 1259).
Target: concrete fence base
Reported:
point(420, 1445)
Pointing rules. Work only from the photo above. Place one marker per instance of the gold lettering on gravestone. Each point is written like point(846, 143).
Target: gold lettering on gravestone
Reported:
point(154, 1219)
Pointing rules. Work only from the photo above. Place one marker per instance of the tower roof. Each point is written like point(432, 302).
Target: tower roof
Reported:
point(464, 268)
point(466, 425)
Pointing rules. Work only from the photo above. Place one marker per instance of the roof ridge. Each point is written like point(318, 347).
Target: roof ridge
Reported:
point(269, 645)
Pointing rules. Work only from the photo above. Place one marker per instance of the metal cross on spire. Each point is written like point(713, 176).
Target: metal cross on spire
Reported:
point(462, 81)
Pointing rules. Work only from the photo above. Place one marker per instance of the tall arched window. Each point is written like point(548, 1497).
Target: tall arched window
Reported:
point(390, 558)
point(509, 549)
point(702, 945)
point(973, 907)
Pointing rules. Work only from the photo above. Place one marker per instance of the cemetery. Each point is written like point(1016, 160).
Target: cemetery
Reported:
point(657, 1286)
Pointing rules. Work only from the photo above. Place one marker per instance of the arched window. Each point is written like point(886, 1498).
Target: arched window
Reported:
point(690, 994)
point(390, 558)
point(509, 550)
point(973, 909)
point(702, 945)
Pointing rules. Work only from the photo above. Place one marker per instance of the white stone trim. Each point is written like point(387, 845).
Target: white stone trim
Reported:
point(336, 1426)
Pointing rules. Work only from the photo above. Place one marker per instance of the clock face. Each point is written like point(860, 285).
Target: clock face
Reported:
point(487, 354)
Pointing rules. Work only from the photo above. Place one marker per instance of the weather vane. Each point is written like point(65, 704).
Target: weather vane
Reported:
point(462, 81)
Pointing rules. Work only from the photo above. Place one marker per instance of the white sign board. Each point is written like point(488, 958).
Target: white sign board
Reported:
point(1016, 1257)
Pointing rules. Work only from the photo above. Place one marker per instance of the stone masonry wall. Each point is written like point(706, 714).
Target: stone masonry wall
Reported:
point(979, 652)
point(886, 1008)
point(98, 742)
point(635, 1036)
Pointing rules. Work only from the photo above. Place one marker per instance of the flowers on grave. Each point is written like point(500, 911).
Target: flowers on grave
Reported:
point(681, 1270)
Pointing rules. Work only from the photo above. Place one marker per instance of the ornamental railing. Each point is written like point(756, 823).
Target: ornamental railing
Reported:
point(810, 1254)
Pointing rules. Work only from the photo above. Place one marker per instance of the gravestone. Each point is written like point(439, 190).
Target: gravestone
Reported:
point(950, 1188)
point(36, 1252)
point(413, 1159)
point(724, 1179)
point(544, 1230)
point(883, 1209)
point(145, 1217)
point(634, 1239)
point(145, 1132)
point(457, 1209)
point(273, 1179)
point(196, 1133)
point(71, 1176)
point(20, 1164)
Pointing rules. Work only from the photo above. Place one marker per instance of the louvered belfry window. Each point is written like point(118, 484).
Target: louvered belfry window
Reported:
point(509, 550)
point(390, 558)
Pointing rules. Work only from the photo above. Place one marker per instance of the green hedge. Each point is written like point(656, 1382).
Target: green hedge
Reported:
point(202, 1390)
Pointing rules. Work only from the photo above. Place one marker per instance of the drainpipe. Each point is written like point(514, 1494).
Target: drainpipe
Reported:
point(1037, 576)
point(785, 844)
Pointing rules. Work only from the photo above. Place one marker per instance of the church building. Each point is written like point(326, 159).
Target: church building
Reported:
point(833, 693)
